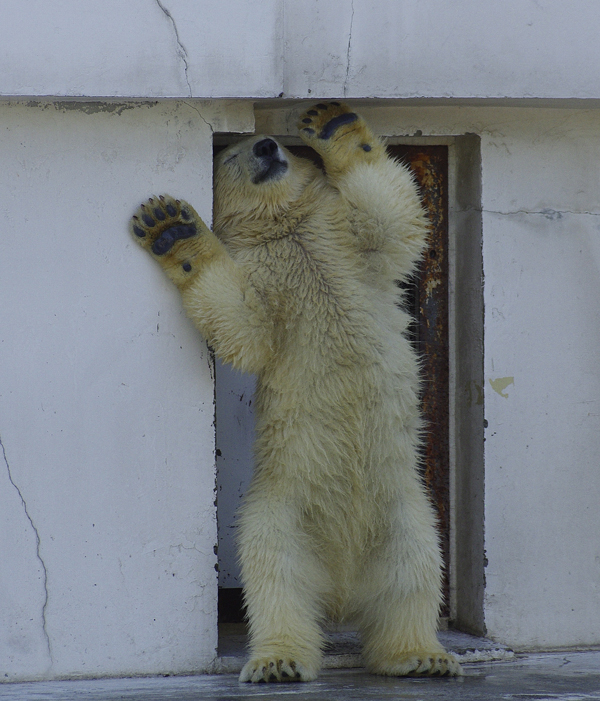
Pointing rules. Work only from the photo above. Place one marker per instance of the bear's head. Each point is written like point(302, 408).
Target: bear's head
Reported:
point(257, 178)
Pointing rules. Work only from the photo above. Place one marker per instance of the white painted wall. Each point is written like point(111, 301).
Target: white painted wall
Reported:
point(141, 48)
point(541, 253)
point(107, 475)
point(267, 48)
point(542, 267)
point(113, 458)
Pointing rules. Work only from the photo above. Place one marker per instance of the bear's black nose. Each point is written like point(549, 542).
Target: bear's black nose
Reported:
point(265, 147)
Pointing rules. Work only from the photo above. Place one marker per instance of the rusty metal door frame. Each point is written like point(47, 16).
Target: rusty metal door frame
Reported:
point(461, 507)
point(429, 298)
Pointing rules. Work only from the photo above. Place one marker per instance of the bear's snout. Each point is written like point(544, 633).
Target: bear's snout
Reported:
point(266, 147)
point(270, 163)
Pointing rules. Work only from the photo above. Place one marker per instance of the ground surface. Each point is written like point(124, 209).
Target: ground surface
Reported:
point(573, 676)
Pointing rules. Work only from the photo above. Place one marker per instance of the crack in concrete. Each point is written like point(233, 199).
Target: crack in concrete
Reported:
point(284, 82)
point(208, 124)
point(552, 214)
point(348, 50)
point(182, 52)
point(37, 550)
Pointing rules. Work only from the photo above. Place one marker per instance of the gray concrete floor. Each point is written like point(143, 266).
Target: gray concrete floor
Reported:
point(567, 676)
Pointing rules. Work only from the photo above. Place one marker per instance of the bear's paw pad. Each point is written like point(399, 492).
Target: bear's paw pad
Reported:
point(162, 221)
point(333, 130)
point(275, 669)
point(325, 120)
point(417, 664)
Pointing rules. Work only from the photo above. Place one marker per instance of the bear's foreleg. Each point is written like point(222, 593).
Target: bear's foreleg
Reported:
point(385, 212)
point(216, 292)
point(283, 585)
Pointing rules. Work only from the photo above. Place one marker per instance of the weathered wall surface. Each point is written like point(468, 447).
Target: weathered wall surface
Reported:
point(542, 285)
point(107, 519)
point(268, 48)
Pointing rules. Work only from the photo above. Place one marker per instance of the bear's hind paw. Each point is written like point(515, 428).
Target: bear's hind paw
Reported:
point(417, 664)
point(274, 669)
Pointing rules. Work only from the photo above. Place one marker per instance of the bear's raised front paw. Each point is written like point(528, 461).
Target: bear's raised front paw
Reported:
point(276, 669)
point(161, 222)
point(334, 130)
point(174, 234)
point(441, 664)
point(323, 120)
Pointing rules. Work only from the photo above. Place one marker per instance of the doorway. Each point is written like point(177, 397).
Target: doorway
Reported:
point(428, 299)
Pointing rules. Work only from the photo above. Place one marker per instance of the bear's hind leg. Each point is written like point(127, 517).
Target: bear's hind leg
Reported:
point(283, 590)
point(399, 639)
point(400, 599)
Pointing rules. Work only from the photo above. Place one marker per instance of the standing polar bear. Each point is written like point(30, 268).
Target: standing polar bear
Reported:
point(298, 285)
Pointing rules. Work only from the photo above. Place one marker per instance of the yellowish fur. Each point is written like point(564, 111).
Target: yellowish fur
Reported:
point(297, 284)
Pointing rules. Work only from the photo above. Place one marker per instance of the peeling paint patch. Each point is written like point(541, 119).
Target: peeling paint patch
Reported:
point(474, 393)
point(500, 384)
point(431, 285)
point(95, 107)
point(84, 106)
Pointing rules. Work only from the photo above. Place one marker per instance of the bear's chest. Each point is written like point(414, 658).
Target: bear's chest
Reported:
point(305, 279)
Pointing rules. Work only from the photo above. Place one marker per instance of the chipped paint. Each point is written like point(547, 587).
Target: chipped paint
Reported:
point(500, 384)
point(85, 106)
point(474, 392)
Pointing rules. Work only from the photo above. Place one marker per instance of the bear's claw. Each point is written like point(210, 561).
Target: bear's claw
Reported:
point(436, 664)
point(273, 669)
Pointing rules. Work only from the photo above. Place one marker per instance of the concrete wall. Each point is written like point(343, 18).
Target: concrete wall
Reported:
point(542, 270)
point(107, 519)
point(268, 48)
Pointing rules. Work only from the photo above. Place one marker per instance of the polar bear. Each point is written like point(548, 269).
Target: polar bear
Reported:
point(298, 285)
